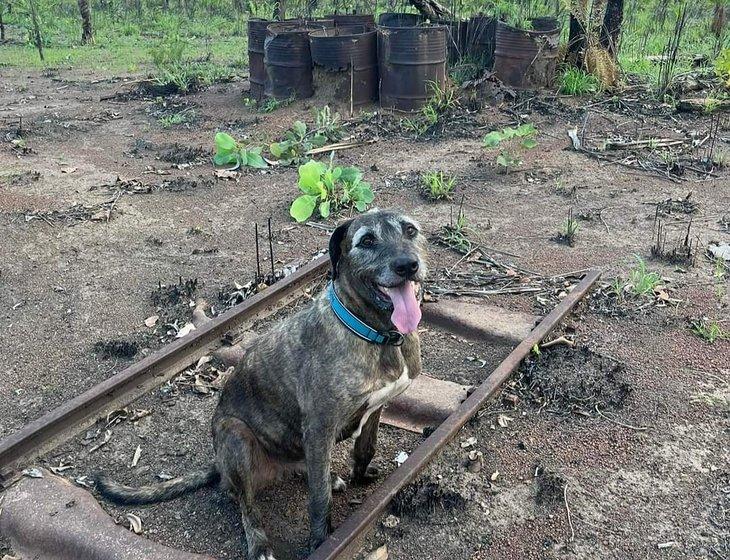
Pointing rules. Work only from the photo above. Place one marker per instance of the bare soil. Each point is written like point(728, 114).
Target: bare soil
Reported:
point(107, 218)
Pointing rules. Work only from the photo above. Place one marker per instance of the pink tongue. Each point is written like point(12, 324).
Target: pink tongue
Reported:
point(406, 313)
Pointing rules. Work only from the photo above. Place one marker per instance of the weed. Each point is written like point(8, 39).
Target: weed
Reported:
point(176, 119)
point(443, 101)
point(230, 152)
point(709, 330)
point(438, 186)
point(271, 104)
point(641, 281)
point(578, 82)
point(506, 160)
point(329, 124)
point(722, 67)
point(455, 233)
point(297, 142)
point(331, 188)
point(568, 229)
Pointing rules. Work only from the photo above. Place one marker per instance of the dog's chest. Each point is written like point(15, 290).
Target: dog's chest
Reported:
point(383, 395)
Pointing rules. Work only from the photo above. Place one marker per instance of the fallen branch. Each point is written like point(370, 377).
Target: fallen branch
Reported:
point(339, 146)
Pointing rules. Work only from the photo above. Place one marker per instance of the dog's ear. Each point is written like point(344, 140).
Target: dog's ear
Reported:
point(336, 245)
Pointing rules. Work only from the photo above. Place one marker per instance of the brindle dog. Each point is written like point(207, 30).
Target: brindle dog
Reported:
point(311, 381)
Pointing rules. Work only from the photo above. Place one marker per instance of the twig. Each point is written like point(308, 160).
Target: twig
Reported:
point(464, 257)
point(323, 227)
point(559, 340)
point(567, 510)
point(637, 428)
point(339, 146)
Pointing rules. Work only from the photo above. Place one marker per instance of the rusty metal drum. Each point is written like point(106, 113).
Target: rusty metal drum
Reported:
point(527, 59)
point(288, 61)
point(256, 68)
point(412, 60)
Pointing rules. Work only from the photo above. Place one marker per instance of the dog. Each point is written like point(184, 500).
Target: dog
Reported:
point(316, 378)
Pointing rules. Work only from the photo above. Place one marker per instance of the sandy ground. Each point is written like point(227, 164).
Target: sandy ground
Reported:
point(644, 475)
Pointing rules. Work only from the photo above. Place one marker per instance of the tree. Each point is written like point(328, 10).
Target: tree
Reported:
point(611, 28)
point(87, 34)
point(4, 8)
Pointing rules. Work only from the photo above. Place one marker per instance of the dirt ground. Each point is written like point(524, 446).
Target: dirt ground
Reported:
point(618, 449)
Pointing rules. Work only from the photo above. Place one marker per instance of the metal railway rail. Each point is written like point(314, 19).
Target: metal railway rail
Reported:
point(59, 425)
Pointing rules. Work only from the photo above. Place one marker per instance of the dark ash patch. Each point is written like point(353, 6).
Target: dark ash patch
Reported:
point(573, 380)
point(116, 348)
point(424, 498)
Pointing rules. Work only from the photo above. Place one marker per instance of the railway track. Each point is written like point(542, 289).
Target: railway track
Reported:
point(58, 426)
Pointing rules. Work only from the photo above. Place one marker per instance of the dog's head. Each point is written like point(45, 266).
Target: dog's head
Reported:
point(378, 260)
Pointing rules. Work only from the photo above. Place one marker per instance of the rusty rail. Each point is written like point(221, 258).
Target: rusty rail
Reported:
point(60, 424)
point(344, 542)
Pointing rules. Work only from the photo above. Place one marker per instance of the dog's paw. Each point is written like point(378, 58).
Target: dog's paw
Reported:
point(338, 485)
point(366, 476)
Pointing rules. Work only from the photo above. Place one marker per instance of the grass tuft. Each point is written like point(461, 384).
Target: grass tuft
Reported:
point(578, 82)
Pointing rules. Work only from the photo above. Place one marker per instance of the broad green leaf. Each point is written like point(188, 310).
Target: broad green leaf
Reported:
point(300, 128)
point(310, 175)
point(526, 129)
point(366, 193)
point(502, 160)
point(224, 142)
point(319, 140)
point(255, 160)
point(276, 149)
point(350, 174)
point(509, 133)
point(492, 139)
point(225, 158)
point(336, 174)
point(361, 206)
point(324, 209)
point(303, 207)
point(255, 149)
point(529, 143)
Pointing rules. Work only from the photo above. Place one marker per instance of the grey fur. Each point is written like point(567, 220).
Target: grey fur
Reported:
point(309, 382)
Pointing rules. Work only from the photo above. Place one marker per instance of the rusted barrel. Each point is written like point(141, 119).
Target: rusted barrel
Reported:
point(288, 61)
point(396, 19)
point(354, 19)
point(527, 58)
point(256, 68)
point(480, 39)
point(411, 61)
point(349, 56)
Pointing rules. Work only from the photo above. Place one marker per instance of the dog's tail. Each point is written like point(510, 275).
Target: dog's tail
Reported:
point(167, 490)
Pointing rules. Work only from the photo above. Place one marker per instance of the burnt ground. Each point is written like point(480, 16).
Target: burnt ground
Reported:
point(108, 218)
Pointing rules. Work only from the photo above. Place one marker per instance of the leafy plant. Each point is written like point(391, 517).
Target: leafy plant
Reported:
point(298, 140)
point(722, 66)
point(230, 152)
point(438, 186)
point(709, 330)
point(641, 281)
point(575, 81)
point(175, 119)
point(506, 160)
point(443, 101)
point(329, 189)
point(329, 124)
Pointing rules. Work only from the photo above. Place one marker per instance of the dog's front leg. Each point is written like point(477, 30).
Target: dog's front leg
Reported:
point(318, 443)
point(364, 451)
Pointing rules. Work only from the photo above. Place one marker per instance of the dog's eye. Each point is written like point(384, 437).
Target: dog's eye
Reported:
point(411, 230)
point(367, 241)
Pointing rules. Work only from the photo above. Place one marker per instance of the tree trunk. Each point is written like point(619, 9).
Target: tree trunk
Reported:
point(577, 42)
point(2, 22)
point(279, 10)
point(431, 9)
point(719, 19)
point(37, 38)
point(611, 28)
point(87, 35)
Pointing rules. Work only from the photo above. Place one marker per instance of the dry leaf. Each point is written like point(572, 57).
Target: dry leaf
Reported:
point(151, 321)
point(68, 169)
point(495, 476)
point(503, 420)
point(225, 174)
point(471, 442)
point(187, 329)
point(135, 523)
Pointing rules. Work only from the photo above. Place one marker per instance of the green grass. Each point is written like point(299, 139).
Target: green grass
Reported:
point(641, 281)
point(709, 330)
point(438, 186)
point(574, 81)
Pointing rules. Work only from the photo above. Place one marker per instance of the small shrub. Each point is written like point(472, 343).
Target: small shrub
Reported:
point(641, 281)
point(329, 124)
point(578, 82)
point(568, 229)
point(438, 186)
point(709, 330)
point(230, 152)
point(329, 189)
point(297, 141)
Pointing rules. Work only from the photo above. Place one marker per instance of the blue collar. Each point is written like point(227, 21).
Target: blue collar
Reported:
point(347, 318)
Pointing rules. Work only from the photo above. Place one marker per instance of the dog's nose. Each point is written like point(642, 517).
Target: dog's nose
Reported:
point(405, 266)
